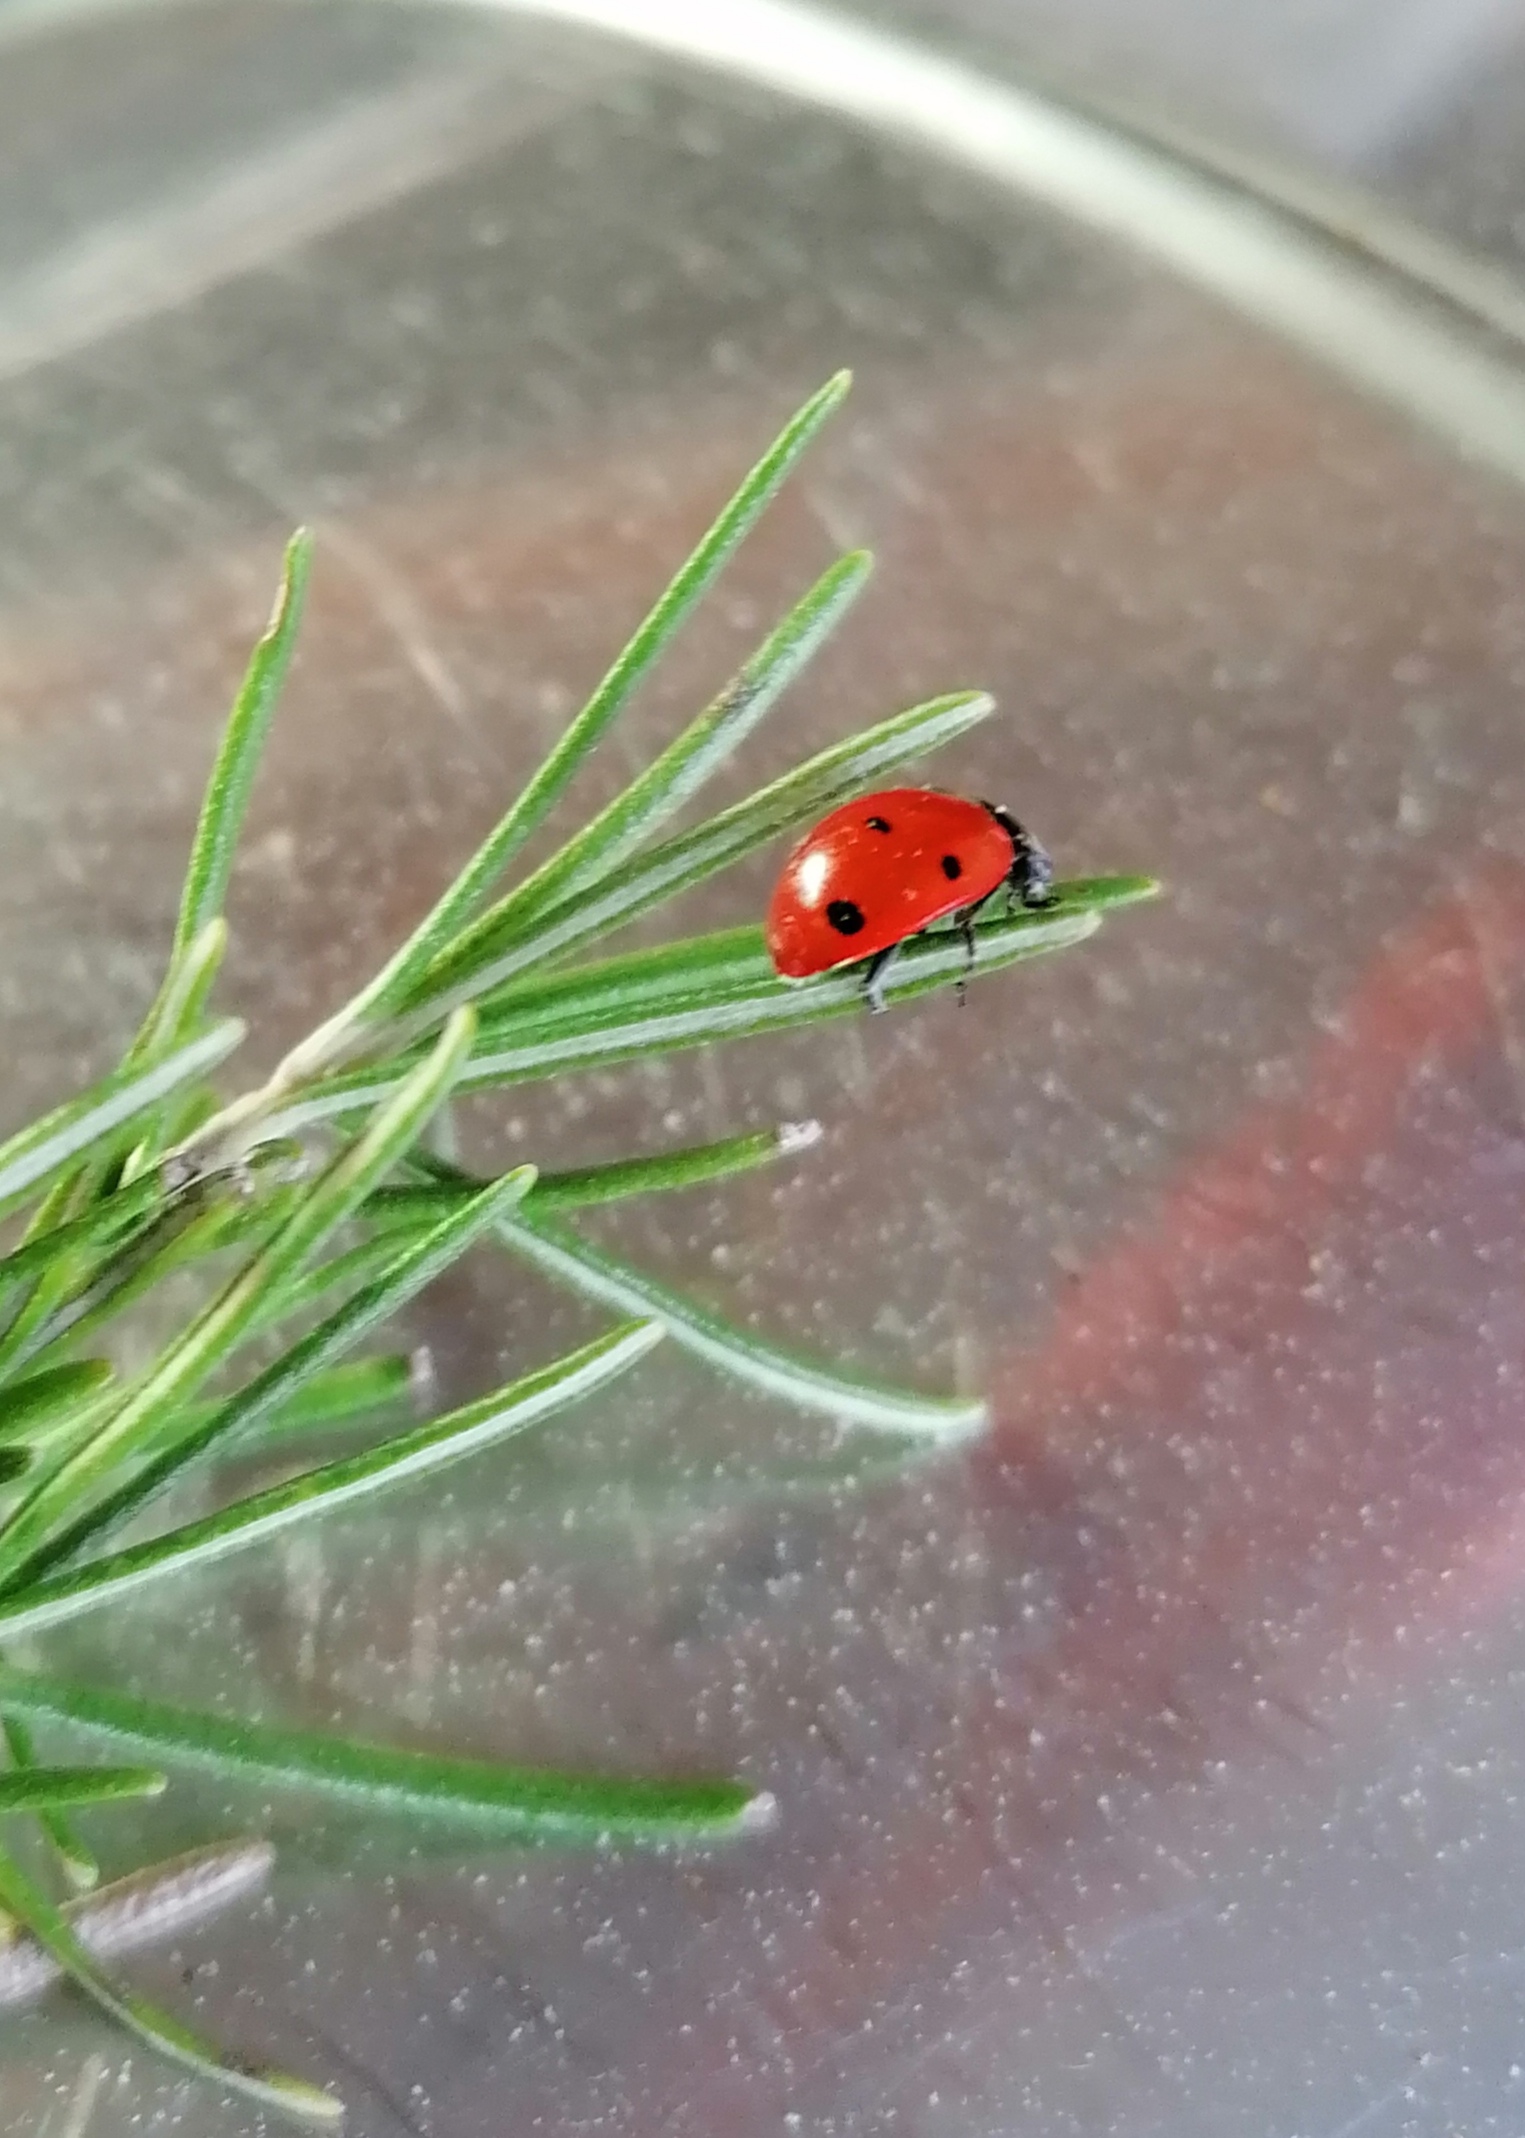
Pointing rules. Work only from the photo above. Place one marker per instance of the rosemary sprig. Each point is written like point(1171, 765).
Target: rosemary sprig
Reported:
point(154, 1171)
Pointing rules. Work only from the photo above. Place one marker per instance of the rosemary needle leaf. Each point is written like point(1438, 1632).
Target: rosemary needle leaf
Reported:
point(30, 1159)
point(243, 741)
point(664, 973)
point(737, 995)
point(52, 1788)
point(177, 1008)
point(705, 988)
point(509, 1410)
point(559, 1253)
point(350, 1272)
point(44, 1401)
point(103, 1224)
point(335, 1396)
point(179, 1237)
point(274, 2091)
point(510, 1803)
point(579, 1187)
point(201, 932)
point(75, 1859)
point(802, 1381)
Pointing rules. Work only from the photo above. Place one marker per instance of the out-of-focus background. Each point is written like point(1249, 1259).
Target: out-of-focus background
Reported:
point(1378, 86)
point(1154, 1767)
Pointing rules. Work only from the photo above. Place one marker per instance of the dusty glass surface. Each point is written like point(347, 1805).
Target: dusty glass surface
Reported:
point(1153, 1767)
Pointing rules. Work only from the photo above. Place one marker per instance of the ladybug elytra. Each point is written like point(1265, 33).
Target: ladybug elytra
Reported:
point(879, 870)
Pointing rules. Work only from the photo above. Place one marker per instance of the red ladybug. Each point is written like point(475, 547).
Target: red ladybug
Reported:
point(881, 869)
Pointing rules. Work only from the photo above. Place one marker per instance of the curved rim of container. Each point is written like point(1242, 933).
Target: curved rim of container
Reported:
point(1417, 324)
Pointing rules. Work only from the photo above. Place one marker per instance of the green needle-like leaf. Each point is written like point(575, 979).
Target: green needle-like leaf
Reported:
point(38, 1405)
point(559, 1253)
point(579, 1187)
point(243, 743)
point(291, 2098)
point(338, 1395)
point(510, 1803)
point(223, 1326)
point(36, 1789)
point(662, 976)
point(75, 1859)
point(509, 1410)
point(684, 766)
point(396, 981)
point(182, 997)
point(32, 1157)
point(493, 950)
point(552, 1248)
point(350, 1273)
point(201, 931)
point(192, 1436)
point(730, 991)
point(106, 1224)
point(706, 988)
point(334, 1397)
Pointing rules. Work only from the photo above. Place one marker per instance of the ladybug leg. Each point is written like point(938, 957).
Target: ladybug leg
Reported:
point(964, 923)
point(873, 979)
point(1032, 871)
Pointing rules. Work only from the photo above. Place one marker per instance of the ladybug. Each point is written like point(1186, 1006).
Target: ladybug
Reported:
point(879, 870)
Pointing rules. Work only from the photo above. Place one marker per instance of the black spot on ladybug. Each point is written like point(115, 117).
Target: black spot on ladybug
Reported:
point(877, 823)
point(844, 916)
point(953, 868)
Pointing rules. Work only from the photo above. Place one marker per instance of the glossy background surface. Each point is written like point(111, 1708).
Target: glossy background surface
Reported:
point(1155, 1767)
